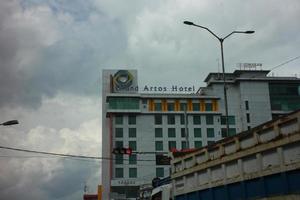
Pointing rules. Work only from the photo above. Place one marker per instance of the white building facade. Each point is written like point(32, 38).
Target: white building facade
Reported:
point(151, 124)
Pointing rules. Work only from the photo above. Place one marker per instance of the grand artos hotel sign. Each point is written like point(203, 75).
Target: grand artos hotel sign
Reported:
point(125, 81)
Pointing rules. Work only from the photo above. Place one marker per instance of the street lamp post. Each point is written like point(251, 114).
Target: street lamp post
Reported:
point(9, 123)
point(221, 40)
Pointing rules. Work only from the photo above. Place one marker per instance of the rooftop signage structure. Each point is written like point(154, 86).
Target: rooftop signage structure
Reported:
point(125, 81)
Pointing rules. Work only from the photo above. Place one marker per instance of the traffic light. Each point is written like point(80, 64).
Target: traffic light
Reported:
point(122, 150)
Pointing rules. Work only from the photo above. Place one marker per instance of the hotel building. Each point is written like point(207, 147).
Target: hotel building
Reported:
point(151, 124)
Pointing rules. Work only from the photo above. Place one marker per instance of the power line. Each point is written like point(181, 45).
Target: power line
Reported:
point(64, 155)
point(285, 63)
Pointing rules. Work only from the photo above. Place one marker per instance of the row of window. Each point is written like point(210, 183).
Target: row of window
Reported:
point(171, 119)
point(132, 173)
point(131, 144)
point(210, 132)
point(170, 106)
point(172, 132)
point(159, 145)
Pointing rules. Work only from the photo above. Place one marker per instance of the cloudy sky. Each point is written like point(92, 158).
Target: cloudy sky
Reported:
point(52, 53)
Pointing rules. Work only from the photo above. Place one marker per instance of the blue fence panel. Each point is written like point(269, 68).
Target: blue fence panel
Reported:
point(192, 196)
point(235, 191)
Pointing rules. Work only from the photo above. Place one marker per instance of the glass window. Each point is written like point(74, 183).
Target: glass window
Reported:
point(132, 172)
point(119, 144)
point(171, 106)
point(208, 106)
point(197, 119)
point(183, 132)
point(210, 132)
point(172, 144)
point(119, 172)
point(144, 101)
point(197, 132)
point(183, 145)
point(131, 119)
point(158, 132)
point(158, 119)
point(223, 132)
point(231, 120)
point(119, 132)
point(183, 106)
point(171, 119)
point(132, 145)
point(157, 106)
point(209, 119)
point(119, 119)
point(158, 145)
point(119, 159)
point(198, 144)
point(132, 132)
point(196, 106)
point(210, 142)
point(182, 119)
point(232, 131)
point(247, 105)
point(160, 172)
point(248, 117)
point(223, 120)
point(123, 103)
point(132, 159)
point(171, 132)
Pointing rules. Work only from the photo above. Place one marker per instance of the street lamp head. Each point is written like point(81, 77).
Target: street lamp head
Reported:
point(188, 23)
point(9, 123)
point(249, 32)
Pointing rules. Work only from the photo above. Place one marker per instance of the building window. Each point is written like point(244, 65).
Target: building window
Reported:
point(210, 142)
point(119, 173)
point(172, 145)
point(160, 172)
point(196, 106)
point(119, 159)
point(119, 132)
point(182, 119)
point(132, 172)
point(171, 106)
point(183, 132)
point(119, 119)
point(231, 132)
point(183, 106)
point(210, 132)
point(208, 106)
point(197, 119)
point(119, 144)
point(248, 127)
point(209, 119)
point(198, 144)
point(157, 106)
point(123, 103)
point(197, 132)
point(144, 101)
point(131, 119)
point(158, 132)
point(231, 120)
point(132, 159)
point(183, 145)
point(158, 146)
point(223, 132)
point(171, 132)
point(248, 117)
point(132, 132)
point(132, 145)
point(158, 119)
point(247, 105)
point(171, 119)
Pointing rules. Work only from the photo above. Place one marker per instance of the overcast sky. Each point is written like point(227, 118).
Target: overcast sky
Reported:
point(52, 53)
